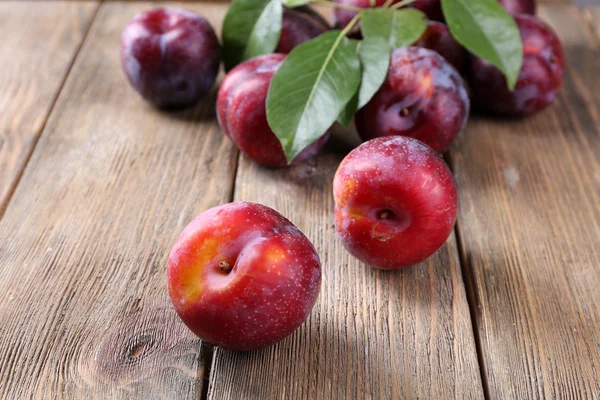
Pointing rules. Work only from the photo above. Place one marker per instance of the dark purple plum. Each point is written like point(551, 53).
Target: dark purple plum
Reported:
point(299, 25)
point(433, 8)
point(171, 56)
point(437, 37)
point(422, 97)
point(539, 80)
point(519, 6)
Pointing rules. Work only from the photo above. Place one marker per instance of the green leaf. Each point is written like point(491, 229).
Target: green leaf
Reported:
point(399, 28)
point(349, 110)
point(250, 28)
point(351, 107)
point(295, 3)
point(310, 89)
point(488, 31)
point(374, 54)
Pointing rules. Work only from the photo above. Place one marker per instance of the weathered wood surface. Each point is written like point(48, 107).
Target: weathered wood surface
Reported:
point(38, 44)
point(84, 311)
point(529, 224)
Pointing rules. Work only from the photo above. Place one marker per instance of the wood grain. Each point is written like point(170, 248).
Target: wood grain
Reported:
point(592, 16)
point(39, 43)
point(529, 224)
point(372, 334)
point(84, 311)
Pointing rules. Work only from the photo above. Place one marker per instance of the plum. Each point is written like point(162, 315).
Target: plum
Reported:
point(171, 56)
point(437, 37)
point(242, 114)
point(422, 97)
point(299, 25)
point(539, 80)
point(395, 202)
point(243, 277)
point(519, 6)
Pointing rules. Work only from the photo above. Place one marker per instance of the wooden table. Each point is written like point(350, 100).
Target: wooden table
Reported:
point(95, 186)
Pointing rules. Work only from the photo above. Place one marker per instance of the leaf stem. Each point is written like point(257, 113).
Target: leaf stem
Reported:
point(388, 3)
point(350, 25)
point(338, 5)
point(402, 4)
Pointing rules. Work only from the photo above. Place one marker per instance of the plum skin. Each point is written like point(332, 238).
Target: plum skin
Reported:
point(519, 6)
point(243, 277)
point(242, 115)
point(170, 56)
point(432, 8)
point(299, 25)
point(423, 97)
point(539, 80)
point(437, 37)
point(395, 202)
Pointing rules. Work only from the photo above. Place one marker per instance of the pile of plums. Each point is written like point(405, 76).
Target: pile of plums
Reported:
point(241, 276)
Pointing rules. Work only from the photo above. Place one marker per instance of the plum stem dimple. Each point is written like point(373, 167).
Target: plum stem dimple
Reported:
point(225, 267)
point(405, 112)
point(385, 214)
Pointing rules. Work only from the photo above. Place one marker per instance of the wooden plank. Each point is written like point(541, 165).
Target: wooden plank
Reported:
point(372, 334)
point(592, 16)
point(83, 245)
point(529, 225)
point(39, 43)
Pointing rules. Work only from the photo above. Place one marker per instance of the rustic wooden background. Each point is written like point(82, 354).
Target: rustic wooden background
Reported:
point(95, 186)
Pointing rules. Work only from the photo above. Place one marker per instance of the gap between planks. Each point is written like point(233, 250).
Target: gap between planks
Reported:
point(470, 288)
point(208, 353)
